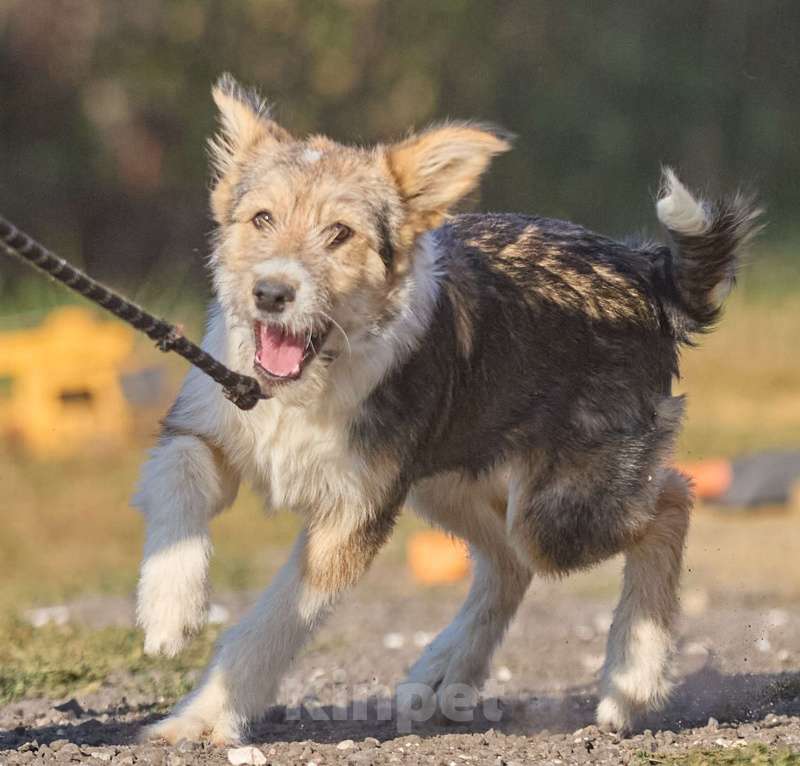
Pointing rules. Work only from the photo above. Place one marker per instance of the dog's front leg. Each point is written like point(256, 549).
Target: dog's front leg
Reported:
point(184, 483)
point(244, 677)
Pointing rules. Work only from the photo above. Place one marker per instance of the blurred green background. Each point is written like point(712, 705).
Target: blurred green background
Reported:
point(104, 113)
point(105, 107)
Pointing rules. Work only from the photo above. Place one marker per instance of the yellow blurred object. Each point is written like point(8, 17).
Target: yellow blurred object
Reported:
point(64, 379)
point(436, 558)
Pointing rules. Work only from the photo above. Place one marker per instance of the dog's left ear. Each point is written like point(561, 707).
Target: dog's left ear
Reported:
point(438, 167)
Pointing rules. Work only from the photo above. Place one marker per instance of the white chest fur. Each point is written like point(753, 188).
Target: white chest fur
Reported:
point(296, 454)
point(300, 460)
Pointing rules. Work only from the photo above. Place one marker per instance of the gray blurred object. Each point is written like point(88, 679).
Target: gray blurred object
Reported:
point(145, 387)
point(764, 478)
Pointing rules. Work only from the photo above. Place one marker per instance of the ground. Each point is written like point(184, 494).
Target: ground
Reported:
point(737, 665)
point(81, 690)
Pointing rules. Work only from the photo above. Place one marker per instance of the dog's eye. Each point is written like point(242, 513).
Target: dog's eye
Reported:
point(262, 219)
point(339, 234)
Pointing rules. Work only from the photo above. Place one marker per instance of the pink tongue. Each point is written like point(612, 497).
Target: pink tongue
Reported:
point(281, 353)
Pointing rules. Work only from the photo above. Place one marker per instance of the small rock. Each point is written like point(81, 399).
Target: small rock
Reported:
point(602, 622)
point(58, 615)
point(103, 754)
point(70, 706)
point(346, 744)
point(503, 674)
point(56, 745)
point(123, 759)
point(69, 751)
point(777, 618)
point(695, 602)
point(371, 742)
point(713, 723)
point(592, 662)
point(394, 641)
point(246, 755)
point(695, 649)
point(153, 756)
point(722, 742)
point(218, 614)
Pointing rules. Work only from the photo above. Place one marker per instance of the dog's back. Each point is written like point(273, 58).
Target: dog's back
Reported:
point(555, 346)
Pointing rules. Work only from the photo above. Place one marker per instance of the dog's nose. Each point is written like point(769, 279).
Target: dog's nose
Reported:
point(272, 296)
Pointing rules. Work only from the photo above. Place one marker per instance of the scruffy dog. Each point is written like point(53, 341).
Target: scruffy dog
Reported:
point(507, 376)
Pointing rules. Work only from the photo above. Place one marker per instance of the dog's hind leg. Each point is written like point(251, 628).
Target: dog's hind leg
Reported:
point(184, 483)
point(457, 661)
point(243, 679)
point(635, 675)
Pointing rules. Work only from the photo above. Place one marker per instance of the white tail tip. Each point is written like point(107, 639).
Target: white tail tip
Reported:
point(678, 210)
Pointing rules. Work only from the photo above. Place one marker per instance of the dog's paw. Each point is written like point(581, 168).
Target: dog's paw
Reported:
point(172, 600)
point(206, 713)
point(167, 631)
point(614, 716)
point(164, 640)
point(438, 689)
point(221, 732)
point(175, 728)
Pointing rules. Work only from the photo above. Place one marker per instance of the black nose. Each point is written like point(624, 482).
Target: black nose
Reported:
point(272, 296)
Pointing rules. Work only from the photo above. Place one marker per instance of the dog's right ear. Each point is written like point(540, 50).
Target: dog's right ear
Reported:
point(244, 124)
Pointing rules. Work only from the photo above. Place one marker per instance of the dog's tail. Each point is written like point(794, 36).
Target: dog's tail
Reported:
point(706, 240)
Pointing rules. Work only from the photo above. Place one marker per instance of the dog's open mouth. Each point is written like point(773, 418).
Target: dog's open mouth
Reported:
point(282, 355)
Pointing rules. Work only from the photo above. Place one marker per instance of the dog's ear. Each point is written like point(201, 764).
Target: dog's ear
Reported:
point(436, 168)
point(244, 124)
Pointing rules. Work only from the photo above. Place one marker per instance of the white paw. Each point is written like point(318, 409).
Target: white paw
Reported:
point(165, 640)
point(205, 713)
point(613, 715)
point(173, 596)
point(175, 728)
point(180, 726)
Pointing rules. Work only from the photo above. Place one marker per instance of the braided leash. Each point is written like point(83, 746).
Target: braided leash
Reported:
point(242, 390)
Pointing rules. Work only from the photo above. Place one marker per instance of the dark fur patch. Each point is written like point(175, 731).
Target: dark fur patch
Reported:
point(701, 262)
point(571, 355)
point(385, 246)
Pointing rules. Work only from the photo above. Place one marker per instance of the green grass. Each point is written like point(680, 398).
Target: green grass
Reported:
point(55, 661)
point(755, 755)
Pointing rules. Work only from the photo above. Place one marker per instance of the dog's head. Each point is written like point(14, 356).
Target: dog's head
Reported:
point(315, 239)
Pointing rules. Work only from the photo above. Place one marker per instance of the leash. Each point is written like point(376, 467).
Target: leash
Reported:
point(242, 390)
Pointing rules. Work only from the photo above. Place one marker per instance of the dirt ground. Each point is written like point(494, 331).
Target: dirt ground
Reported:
point(737, 667)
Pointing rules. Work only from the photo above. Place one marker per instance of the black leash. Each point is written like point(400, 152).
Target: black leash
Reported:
point(242, 390)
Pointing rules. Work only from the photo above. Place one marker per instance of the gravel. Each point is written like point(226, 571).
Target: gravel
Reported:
point(737, 667)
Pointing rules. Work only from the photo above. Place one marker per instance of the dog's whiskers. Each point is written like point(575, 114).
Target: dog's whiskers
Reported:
point(341, 330)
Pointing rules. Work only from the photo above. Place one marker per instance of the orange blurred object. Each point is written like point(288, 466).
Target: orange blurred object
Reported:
point(711, 478)
point(435, 558)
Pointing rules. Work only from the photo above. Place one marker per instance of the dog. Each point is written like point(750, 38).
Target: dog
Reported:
point(507, 376)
